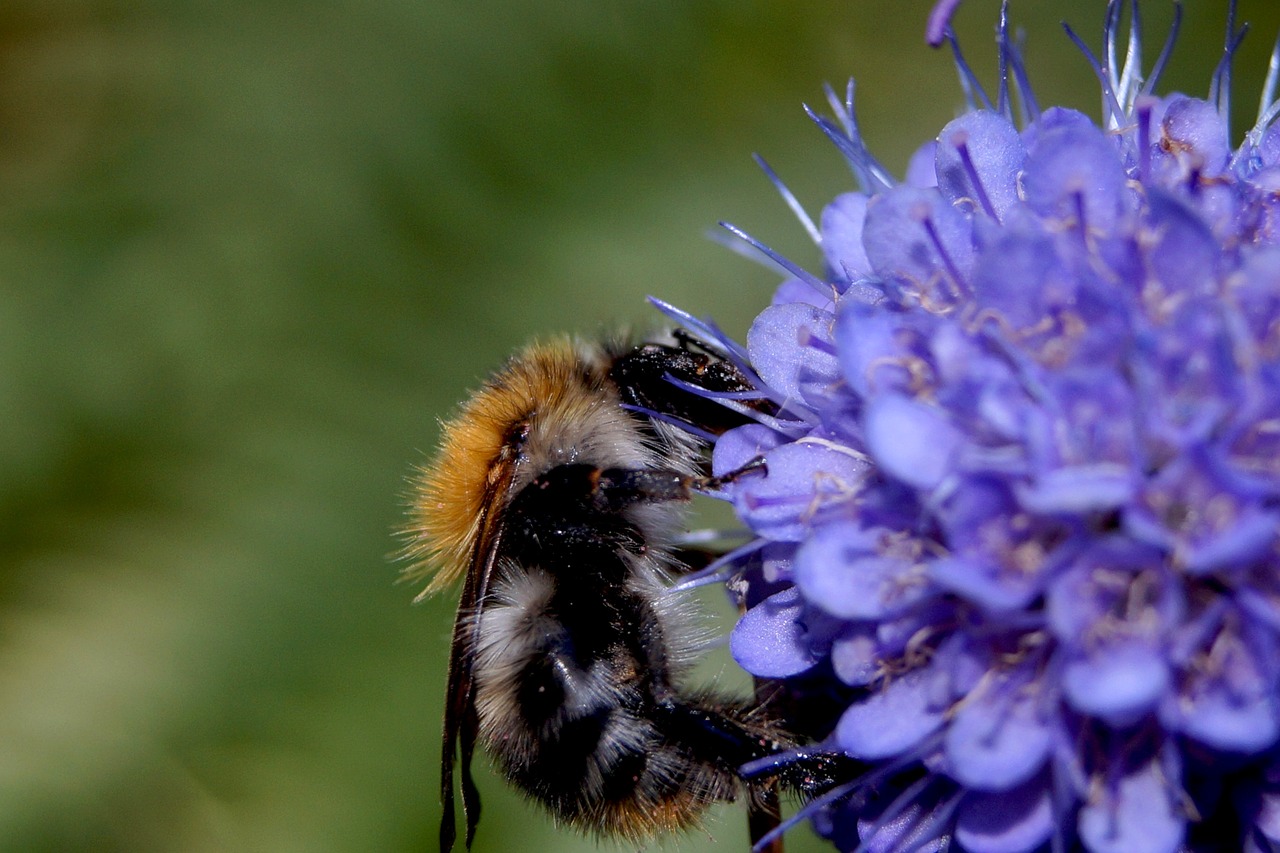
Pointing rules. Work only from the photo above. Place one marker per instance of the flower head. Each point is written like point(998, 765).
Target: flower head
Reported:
point(1023, 477)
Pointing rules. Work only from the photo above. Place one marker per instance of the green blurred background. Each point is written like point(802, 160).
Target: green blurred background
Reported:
point(251, 252)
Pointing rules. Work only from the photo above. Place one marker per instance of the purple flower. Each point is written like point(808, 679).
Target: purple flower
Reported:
point(1019, 513)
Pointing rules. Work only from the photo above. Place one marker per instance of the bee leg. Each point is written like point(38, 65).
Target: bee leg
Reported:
point(727, 742)
point(758, 465)
point(614, 489)
point(764, 813)
point(717, 734)
point(809, 772)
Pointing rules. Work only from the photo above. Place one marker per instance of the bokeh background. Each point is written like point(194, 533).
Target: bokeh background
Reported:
point(250, 252)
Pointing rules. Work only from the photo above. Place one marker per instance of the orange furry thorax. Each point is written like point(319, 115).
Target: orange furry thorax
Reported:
point(489, 440)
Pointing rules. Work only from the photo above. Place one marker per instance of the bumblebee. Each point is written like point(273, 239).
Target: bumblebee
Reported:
point(555, 496)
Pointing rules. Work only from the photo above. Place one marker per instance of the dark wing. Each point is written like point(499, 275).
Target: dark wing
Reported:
point(460, 721)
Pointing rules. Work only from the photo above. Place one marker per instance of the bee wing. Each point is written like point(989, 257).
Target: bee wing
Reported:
point(460, 721)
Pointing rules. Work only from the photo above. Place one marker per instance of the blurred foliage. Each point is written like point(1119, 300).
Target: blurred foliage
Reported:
point(250, 252)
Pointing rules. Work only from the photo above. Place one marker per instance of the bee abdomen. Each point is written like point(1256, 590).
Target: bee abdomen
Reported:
point(615, 773)
point(574, 725)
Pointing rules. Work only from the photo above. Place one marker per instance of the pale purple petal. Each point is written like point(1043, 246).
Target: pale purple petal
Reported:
point(849, 572)
point(910, 440)
point(995, 158)
point(1117, 681)
point(739, 446)
point(891, 720)
point(841, 228)
point(804, 482)
point(1139, 815)
point(772, 640)
point(999, 738)
point(914, 237)
point(782, 331)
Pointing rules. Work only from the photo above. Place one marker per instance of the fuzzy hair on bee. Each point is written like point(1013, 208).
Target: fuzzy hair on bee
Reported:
point(555, 497)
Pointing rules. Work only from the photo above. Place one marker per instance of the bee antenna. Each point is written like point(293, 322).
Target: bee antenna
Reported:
point(714, 484)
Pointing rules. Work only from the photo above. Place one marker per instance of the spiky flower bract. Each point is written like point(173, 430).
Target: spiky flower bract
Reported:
point(1022, 442)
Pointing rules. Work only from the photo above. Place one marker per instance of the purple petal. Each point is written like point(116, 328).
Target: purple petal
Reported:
point(1086, 426)
point(856, 656)
point(1228, 700)
point(913, 236)
point(795, 290)
point(1183, 254)
point(920, 168)
point(997, 566)
point(987, 584)
point(1079, 489)
point(995, 155)
point(791, 349)
point(841, 227)
point(805, 481)
point(1229, 723)
point(1075, 169)
point(999, 738)
point(771, 639)
point(893, 720)
point(859, 654)
point(1117, 681)
point(1139, 815)
point(910, 440)
point(1102, 586)
point(1193, 136)
point(1174, 513)
point(1015, 821)
point(1054, 119)
point(1021, 278)
point(847, 571)
point(876, 346)
point(1267, 820)
point(739, 446)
